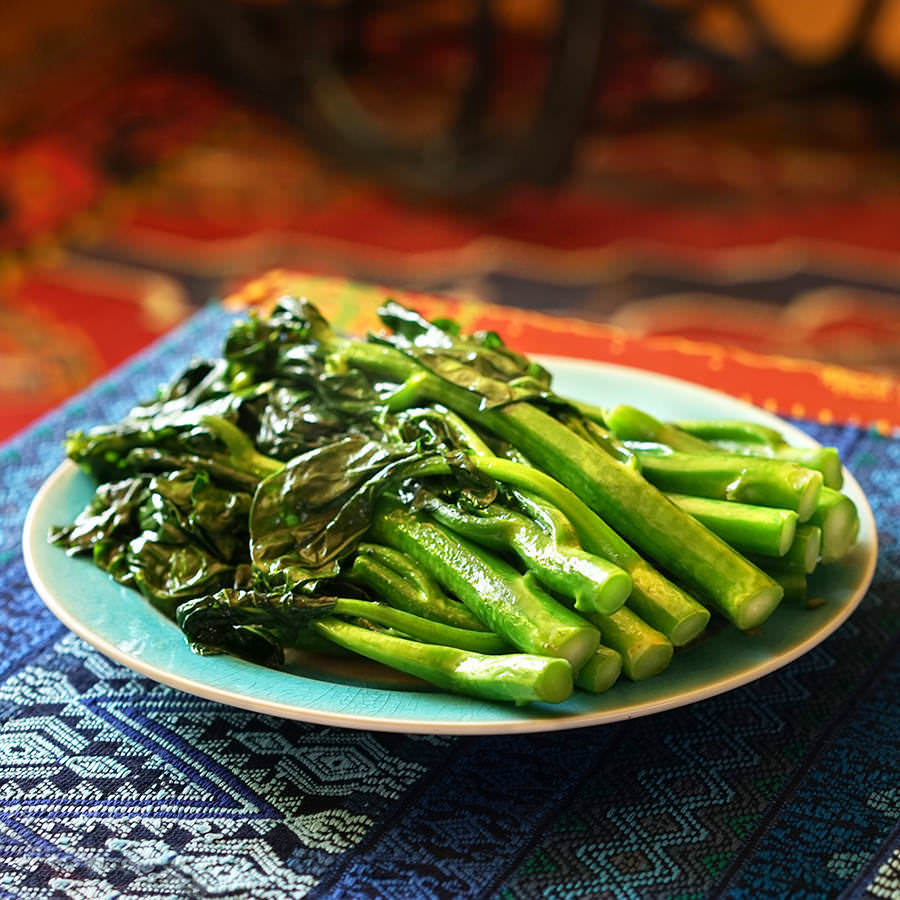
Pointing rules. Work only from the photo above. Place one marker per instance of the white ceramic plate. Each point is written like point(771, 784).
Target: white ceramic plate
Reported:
point(123, 626)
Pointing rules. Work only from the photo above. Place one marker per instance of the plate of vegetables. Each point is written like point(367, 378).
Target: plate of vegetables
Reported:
point(425, 531)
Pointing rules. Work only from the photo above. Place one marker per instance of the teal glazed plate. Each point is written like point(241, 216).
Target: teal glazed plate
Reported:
point(123, 626)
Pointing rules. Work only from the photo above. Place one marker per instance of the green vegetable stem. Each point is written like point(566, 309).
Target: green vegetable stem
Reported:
point(509, 603)
point(748, 528)
point(724, 476)
point(516, 677)
point(594, 584)
point(424, 498)
point(396, 579)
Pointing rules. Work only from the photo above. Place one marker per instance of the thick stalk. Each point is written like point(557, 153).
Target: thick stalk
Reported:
point(838, 518)
point(826, 460)
point(644, 650)
point(643, 515)
point(742, 438)
point(675, 540)
point(793, 581)
point(593, 583)
point(745, 479)
point(749, 529)
point(516, 677)
point(654, 599)
point(802, 556)
point(773, 486)
point(804, 553)
point(601, 671)
point(509, 603)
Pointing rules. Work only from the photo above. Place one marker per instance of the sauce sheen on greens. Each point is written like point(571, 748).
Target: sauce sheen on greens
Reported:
point(424, 498)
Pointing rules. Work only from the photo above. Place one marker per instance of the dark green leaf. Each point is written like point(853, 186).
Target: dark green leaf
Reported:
point(169, 574)
point(481, 364)
point(254, 625)
point(310, 515)
point(112, 515)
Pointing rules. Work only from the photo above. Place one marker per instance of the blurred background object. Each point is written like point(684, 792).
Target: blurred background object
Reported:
point(724, 170)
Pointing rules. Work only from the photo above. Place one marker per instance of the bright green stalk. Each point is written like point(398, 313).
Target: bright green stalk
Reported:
point(242, 454)
point(594, 433)
point(793, 581)
point(741, 438)
point(749, 529)
point(601, 671)
point(642, 515)
point(406, 586)
point(645, 651)
point(657, 601)
point(802, 555)
point(421, 629)
point(653, 597)
point(590, 411)
point(838, 518)
point(732, 430)
point(675, 540)
point(746, 479)
point(630, 424)
point(510, 604)
point(805, 551)
point(593, 583)
point(826, 460)
point(517, 677)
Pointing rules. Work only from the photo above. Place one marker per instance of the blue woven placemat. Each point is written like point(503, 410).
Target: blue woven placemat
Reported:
point(114, 786)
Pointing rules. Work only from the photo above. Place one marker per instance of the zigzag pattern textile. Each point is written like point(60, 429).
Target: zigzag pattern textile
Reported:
point(114, 786)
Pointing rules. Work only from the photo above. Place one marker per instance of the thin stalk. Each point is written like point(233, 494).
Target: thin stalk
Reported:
point(630, 424)
point(406, 586)
point(242, 454)
point(421, 629)
point(516, 677)
point(732, 430)
point(594, 433)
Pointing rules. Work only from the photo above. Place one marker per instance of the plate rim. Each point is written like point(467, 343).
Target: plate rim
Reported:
point(462, 727)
